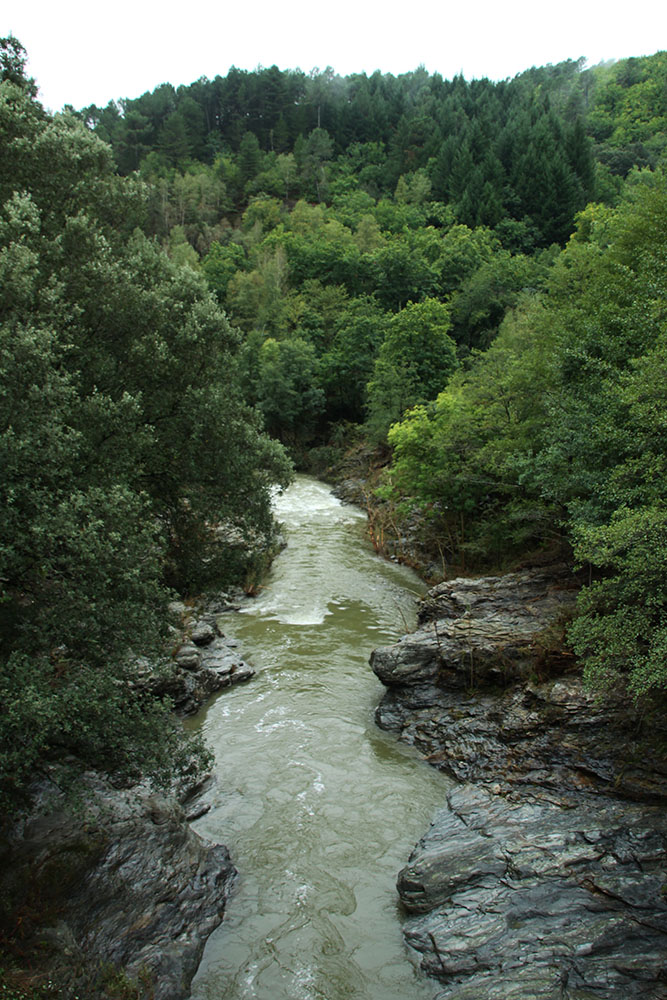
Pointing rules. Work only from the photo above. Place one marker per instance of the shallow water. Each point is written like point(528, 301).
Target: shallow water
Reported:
point(318, 807)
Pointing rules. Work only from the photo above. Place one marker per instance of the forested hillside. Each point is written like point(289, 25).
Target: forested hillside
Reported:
point(318, 208)
point(468, 276)
point(473, 273)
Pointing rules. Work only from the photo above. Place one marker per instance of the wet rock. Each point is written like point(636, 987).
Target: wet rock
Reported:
point(203, 633)
point(531, 900)
point(187, 657)
point(475, 632)
point(545, 878)
point(198, 671)
point(121, 879)
point(484, 698)
point(353, 491)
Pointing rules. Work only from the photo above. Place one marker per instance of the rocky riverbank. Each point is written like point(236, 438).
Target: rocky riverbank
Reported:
point(203, 659)
point(108, 889)
point(545, 875)
point(112, 888)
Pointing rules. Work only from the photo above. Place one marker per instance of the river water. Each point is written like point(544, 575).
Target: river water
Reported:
point(318, 807)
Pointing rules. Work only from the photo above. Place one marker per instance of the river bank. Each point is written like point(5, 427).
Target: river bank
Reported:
point(317, 806)
point(544, 875)
point(106, 890)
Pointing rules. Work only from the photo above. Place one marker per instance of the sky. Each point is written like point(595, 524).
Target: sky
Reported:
point(81, 52)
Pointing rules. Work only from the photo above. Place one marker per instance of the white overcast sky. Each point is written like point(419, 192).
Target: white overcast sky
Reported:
point(83, 52)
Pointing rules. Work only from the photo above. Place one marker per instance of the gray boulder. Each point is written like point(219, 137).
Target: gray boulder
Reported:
point(478, 631)
point(522, 899)
point(122, 881)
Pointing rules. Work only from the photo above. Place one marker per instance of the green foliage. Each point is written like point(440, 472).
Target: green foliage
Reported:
point(13, 59)
point(459, 460)
point(358, 332)
point(287, 388)
point(629, 108)
point(413, 364)
point(124, 442)
point(441, 208)
point(621, 628)
point(560, 426)
point(219, 267)
point(518, 155)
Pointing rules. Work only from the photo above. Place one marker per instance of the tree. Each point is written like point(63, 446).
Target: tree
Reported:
point(289, 394)
point(250, 157)
point(413, 364)
point(604, 454)
point(123, 440)
point(460, 461)
point(13, 59)
point(173, 140)
point(359, 331)
point(220, 265)
point(317, 152)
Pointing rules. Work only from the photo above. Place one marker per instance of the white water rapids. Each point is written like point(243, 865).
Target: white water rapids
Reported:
point(318, 807)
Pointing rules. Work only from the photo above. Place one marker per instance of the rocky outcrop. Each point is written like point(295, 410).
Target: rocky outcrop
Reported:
point(203, 661)
point(487, 693)
point(540, 879)
point(110, 879)
point(477, 632)
point(524, 900)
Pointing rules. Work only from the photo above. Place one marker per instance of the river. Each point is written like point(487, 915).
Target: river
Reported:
point(318, 807)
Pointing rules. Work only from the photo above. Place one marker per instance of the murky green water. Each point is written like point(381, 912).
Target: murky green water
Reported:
point(318, 807)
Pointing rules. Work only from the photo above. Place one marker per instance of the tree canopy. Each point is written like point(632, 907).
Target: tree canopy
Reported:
point(124, 442)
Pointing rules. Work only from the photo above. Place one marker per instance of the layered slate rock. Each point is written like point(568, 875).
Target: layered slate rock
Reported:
point(478, 631)
point(525, 899)
point(204, 661)
point(492, 695)
point(122, 881)
point(547, 877)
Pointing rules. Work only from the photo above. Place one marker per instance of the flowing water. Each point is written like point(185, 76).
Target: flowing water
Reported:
point(318, 807)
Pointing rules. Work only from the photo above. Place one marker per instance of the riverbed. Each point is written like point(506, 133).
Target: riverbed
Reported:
point(318, 807)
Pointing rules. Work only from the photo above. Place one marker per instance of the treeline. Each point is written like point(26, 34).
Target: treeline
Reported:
point(131, 465)
point(471, 273)
point(532, 150)
point(328, 215)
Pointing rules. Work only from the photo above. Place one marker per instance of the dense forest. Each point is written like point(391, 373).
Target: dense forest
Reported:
point(468, 277)
point(130, 462)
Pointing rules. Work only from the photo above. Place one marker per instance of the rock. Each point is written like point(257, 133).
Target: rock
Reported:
point(530, 900)
point(546, 878)
point(491, 719)
point(414, 659)
point(122, 879)
point(178, 609)
point(198, 671)
point(203, 633)
point(187, 657)
point(478, 631)
point(353, 491)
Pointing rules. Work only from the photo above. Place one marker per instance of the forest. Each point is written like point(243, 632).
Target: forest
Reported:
point(204, 285)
